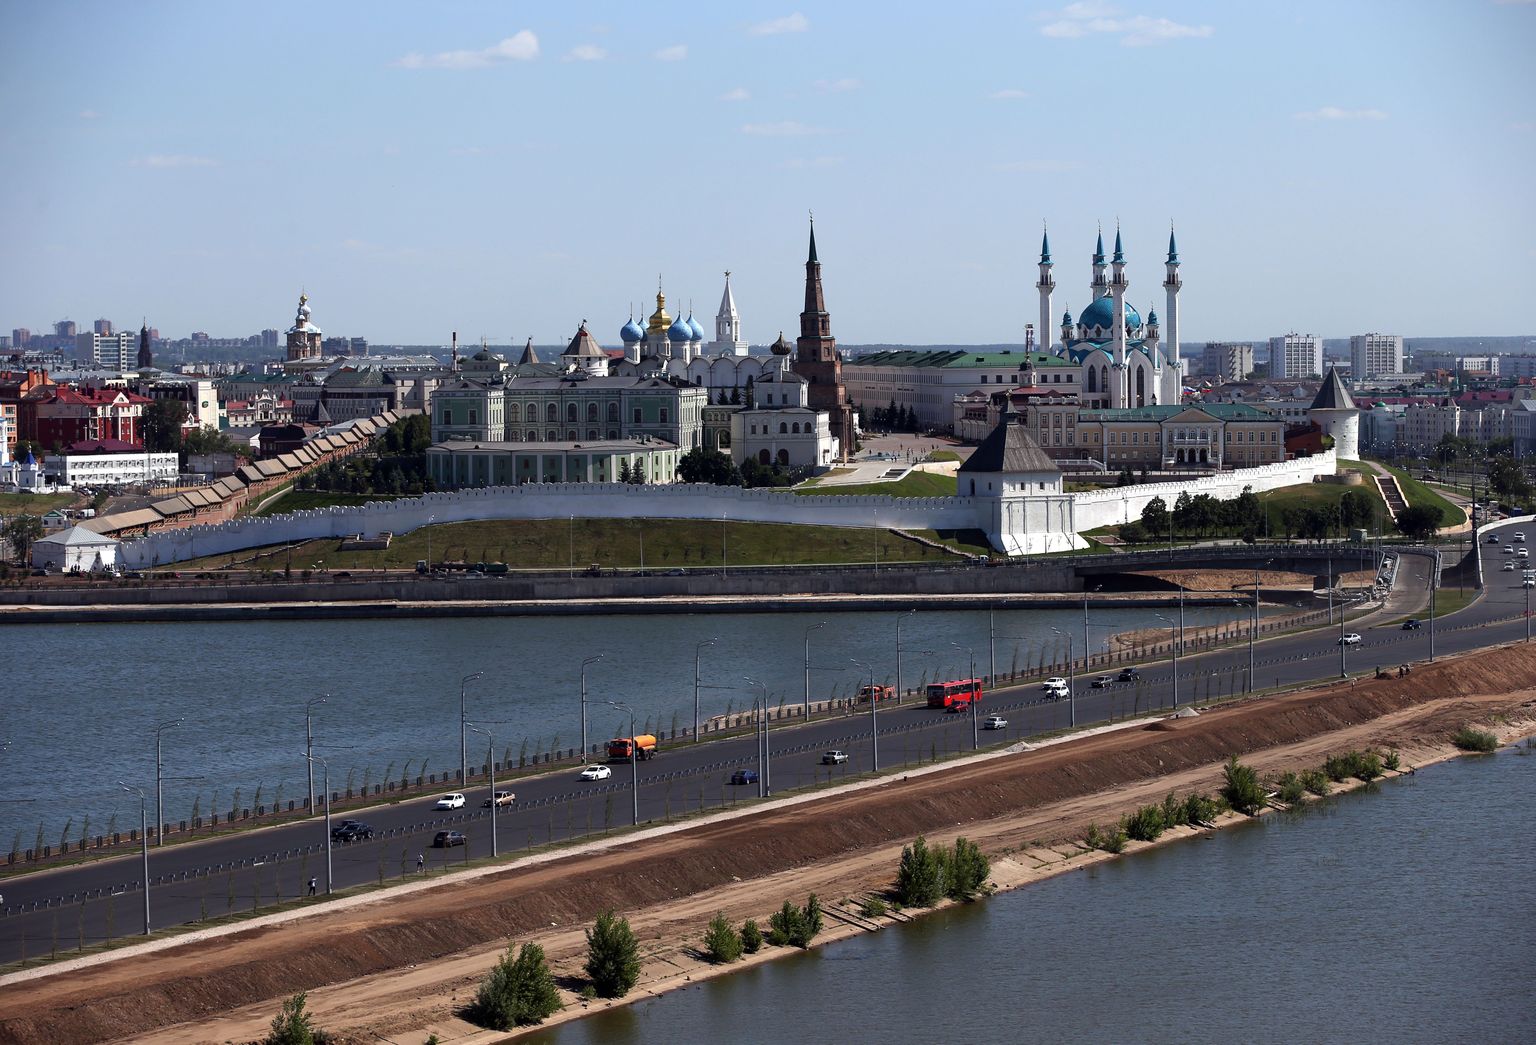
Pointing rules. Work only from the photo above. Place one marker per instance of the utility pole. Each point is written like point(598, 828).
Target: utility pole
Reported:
point(309, 746)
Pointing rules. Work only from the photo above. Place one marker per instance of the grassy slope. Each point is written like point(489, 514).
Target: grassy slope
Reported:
point(302, 500)
point(913, 484)
point(1419, 494)
point(33, 503)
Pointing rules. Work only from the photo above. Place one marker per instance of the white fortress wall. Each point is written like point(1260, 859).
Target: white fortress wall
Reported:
point(1123, 504)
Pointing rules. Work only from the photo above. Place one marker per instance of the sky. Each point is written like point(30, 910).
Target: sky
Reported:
point(506, 170)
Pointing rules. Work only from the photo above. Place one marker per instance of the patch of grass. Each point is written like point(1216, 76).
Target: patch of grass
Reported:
point(33, 503)
point(1449, 600)
point(1291, 790)
point(913, 484)
point(970, 542)
point(1479, 740)
point(305, 500)
point(1316, 495)
point(943, 455)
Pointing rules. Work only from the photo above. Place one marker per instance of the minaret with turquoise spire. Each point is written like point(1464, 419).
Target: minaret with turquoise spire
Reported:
point(1045, 285)
point(1098, 287)
point(1173, 371)
point(1118, 390)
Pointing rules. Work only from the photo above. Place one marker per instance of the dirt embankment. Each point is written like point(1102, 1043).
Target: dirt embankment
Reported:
point(408, 962)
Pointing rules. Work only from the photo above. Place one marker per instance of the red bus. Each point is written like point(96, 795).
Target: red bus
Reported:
point(958, 693)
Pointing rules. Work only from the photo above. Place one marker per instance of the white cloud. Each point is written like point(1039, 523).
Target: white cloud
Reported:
point(89, 114)
point(1008, 93)
point(781, 129)
point(675, 53)
point(175, 160)
point(586, 53)
point(521, 47)
point(1523, 125)
point(795, 23)
point(847, 83)
point(1085, 19)
point(1333, 112)
point(735, 94)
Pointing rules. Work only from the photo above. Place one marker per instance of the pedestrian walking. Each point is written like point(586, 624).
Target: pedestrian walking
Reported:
point(312, 884)
point(421, 862)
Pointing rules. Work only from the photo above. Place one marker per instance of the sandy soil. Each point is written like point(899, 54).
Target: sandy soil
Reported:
point(1242, 580)
point(402, 966)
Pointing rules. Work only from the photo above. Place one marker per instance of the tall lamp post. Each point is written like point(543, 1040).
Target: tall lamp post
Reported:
point(874, 729)
point(309, 745)
point(1172, 630)
point(593, 660)
point(1254, 626)
point(975, 736)
point(814, 627)
point(1071, 677)
point(144, 846)
point(463, 739)
point(760, 737)
point(490, 760)
point(899, 622)
point(159, 778)
point(325, 781)
point(634, 750)
point(698, 651)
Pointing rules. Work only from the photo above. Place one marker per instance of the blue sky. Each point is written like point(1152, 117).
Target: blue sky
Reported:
point(507, 170)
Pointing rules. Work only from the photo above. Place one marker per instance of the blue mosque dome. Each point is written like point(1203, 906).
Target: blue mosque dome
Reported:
point(1102, 314)
point(631, 332)
point(693, 325)
point(678, 332)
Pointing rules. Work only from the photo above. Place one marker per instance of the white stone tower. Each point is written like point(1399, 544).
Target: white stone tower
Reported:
point(1118, 397)
point(728, 340)
point(1336, 414)
point(1173, 369)
point(1045, 285)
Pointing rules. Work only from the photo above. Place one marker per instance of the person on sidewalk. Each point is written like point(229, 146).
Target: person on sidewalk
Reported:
point(421, 862)
point(312, 885)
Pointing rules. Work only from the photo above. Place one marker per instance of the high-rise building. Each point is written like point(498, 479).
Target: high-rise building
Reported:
point(269, 338)
point(20, 336)
point(108, 351)
point(65, 328)
point(1295, 355)
point(102, 326)
point(816, 357)
point(1228, 360)
point(1373, 354)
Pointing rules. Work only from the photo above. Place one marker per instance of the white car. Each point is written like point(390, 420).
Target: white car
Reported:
point(1522, 554)
point(833, 758)
point(1509, 549)
point(1509, 567)
point(995, 722)
point(596, 773)
point(1520, 536)
point(1055, 682)
point(453, 801)
point(1352, 639)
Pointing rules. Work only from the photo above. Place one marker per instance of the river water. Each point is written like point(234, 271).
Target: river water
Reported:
point(1401, 914)
point(82, 701)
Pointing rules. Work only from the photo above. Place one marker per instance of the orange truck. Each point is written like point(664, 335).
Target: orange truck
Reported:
point(876, 693)
point(642, 747)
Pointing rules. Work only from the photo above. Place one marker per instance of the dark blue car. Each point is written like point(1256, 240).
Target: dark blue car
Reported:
point(744, 776)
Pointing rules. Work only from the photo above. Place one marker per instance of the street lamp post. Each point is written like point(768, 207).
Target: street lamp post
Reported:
point(697, 652)
point(760, 738)
point(1172, 627)
point(144, 846)
point(1071, 677)
point(594, 660)
point(463, 740)
point(874, 726)
point(815, 627)
point(159, 778)
point(634, 749)
point(1434, 582)
point(899, 622)
point(975, 736)
point(309, 746)
point(490, 760)
point(325, 781)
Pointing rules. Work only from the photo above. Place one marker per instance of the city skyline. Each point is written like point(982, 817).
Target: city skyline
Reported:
point(509, 174)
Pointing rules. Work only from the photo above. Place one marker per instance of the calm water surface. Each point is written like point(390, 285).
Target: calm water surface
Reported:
point(1400, 915)
point(82, 701)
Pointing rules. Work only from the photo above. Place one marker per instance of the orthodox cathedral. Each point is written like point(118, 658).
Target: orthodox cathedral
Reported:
point(675, 347)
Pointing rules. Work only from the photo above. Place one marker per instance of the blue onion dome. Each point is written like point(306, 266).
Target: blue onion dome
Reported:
point(1066, 318)
point(678, 332)
point(1102, 314)
point(631, 332)
point(1152, 318)
point(693, 325)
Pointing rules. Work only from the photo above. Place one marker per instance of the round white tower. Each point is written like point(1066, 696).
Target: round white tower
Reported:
point(1336, 414)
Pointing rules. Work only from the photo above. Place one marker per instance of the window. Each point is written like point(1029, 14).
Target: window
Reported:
point(474, 417)
point(795, 428)
point(783, 428)
point(663, 415)
point(570, 412)
point(552, 414)
point(638, 416)
point(983, 378)
point(591, 433)
point(552, 435)
point(514, 414)
point(447, 416)
point(591, 412)
point(613, 413)
point(533, 436)
point(570, 435)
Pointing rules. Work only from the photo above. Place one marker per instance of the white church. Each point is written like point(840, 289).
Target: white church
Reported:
point(674, 346)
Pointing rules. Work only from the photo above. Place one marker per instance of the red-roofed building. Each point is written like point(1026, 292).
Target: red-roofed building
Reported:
point(62, 416)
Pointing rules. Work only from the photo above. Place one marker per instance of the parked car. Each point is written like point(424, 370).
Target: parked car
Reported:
point(453, 801)
point(351, 831)
point(596, 773)
point(833, 758)
point(995, 722)
point(744, 776)
point(503, 798)
point(1103, 682)
point(1129, 675)
point(1412, 624)
point(448, 839)
point(1054, 682)
point(1352, 639)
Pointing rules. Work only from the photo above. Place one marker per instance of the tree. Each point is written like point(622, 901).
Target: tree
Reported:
point(1155, 516)
point(210, 441)
point(751, 936)
point(292, 1025)
point(920, 876)
point(613, 956)
point(792, 926)
point(22, 531)
point(722, 943)
point(1183, 508)
point(1419, 521)
point(624, 473)
point(517, 991)
point(750, 397)
point(1356, 509)
point(1242, 789)
point(968, 868)
point(1507, 479)
point(708, 466)
point(162, 425)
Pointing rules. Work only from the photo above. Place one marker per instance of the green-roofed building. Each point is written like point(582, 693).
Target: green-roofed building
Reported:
point(1200, 435)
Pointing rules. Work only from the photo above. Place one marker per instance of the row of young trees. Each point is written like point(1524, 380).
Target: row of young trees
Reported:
point(717, 469)
point(1201, 515)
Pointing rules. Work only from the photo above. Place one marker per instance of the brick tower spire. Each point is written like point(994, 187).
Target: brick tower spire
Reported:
point(816, 357)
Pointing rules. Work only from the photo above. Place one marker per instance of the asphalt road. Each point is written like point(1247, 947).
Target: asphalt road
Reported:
point(58, 909)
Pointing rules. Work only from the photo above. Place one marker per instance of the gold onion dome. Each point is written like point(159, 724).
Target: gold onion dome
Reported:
point(660, 321)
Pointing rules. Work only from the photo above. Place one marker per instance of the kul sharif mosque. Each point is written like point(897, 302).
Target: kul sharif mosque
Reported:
point(1124, 363)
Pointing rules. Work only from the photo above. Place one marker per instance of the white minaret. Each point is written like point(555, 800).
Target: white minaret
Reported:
point(1173, 370)
point(1045, 284)
point(728, 340)
point(1118, 397)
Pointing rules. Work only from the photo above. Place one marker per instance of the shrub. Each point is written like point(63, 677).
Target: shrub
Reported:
point(516, 992)
point(1292, 790)
point(613, 956)
point(1114, 842)
point(920, 878)
point(1316, 781)
point(751, 936)
point(1340, 767)
point(1094, 839)
point(792, 926)
point(1242, 789)
point(1144, 825)
point(1392, 760)
point(722, 944)
point(968, 868)
point(292, 1026)
point(1174, 812)
point(1469, 739)
point(1200, 809)
point(1368, 766)
point(873, 907)
point(812, 919)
